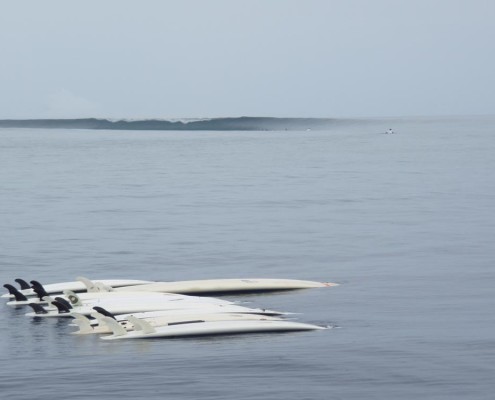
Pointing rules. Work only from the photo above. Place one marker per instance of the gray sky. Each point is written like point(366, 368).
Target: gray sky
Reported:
point(210, 58)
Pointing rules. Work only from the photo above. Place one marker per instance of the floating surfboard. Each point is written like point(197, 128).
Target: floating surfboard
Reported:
point(205, 286)
point(178, 313)
point(87, 327)
point(210, 286)
point(89, 298)
point(144, 330)
point(123, 297)
point(92, 299)
point(129, 307)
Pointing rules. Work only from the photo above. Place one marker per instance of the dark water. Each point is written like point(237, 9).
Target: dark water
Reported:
point(404, 222)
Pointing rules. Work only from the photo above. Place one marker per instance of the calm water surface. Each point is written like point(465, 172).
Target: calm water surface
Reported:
point(405, 224)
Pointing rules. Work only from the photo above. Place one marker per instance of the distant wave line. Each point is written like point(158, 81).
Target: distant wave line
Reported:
point(212, 124)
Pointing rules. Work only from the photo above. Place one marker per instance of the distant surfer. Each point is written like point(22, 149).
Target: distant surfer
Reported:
point(390, 131)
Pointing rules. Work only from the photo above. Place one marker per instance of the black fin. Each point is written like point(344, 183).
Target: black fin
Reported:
point(104, 312)
point(62, 308)
point(38, 308)
point(64, 302)
point(23, 284)
point(10, 288)
point(39, 289)
point(14, 292)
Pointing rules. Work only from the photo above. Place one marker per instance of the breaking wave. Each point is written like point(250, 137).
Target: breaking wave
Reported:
point(212, 124)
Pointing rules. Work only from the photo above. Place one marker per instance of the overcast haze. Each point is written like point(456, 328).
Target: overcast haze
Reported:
point(166, 59)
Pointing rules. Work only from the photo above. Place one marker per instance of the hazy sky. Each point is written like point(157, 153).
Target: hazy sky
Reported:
point(184, 58)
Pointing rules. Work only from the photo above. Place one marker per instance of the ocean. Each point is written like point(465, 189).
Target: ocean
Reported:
point(404, 223)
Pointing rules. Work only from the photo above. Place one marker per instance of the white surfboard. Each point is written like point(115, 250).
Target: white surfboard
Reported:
point(226, 286)
point(202, 328)
point(89, 298)
point(122, 297)
point(86, 327)
point(78, 299)
point(205, 286)
point(135, 306)
point(236, 309)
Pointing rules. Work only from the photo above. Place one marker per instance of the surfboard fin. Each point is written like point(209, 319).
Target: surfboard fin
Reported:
point(38, 308)
point(62, 308)
point(39, 289)
point(22, 283)
point(90, 285)
point(141, 325)
point(73, 298)
point(64, 302)
point(83, 323)
point(14, 292)
point(117, 329)
point(99, 317)
point(135, 323)
point(106, 313)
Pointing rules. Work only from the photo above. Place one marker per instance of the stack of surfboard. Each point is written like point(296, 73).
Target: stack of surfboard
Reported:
point(135, 309)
